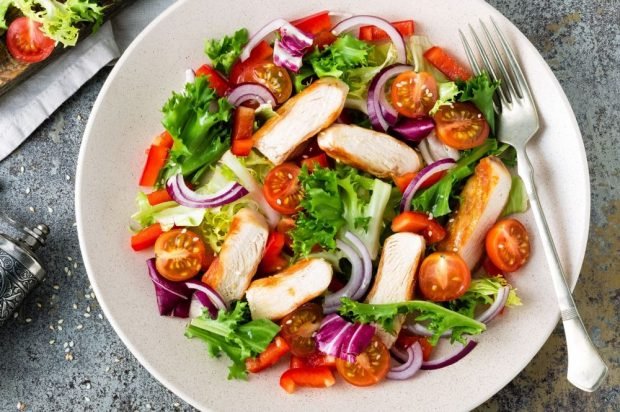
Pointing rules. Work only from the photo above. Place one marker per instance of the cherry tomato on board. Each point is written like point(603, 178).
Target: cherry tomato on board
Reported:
point(298, 328)
point(420, 223)
point(414, 94)
point(508, 245)
point(443, 276)
point(370, 367)
point(461, 126)
point(180, 254)
point(282, 189)
point(26, 42)
point(275, 78)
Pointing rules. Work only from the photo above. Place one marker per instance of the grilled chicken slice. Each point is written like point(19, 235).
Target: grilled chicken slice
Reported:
point(276, 296)
point(483, 198)
point(300, 118)
point(231, 273)
point(376, 153)
point(395, 281)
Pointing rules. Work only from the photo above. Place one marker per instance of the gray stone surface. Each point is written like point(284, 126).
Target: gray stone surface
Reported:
point(60, 353)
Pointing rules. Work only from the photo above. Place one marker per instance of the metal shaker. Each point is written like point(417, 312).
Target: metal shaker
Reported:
point(20, 268)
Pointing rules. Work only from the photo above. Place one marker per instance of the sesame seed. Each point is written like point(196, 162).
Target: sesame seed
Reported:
point(74, 306)
point(500, 246)
point(22, 169)
point(71, 344)
point(455, 249)
point(39, 305)
point(75, 265)
point(27, 190)
point(15, 315)
point(31, 209)
point(68, 356)
point(67, 177)
point(67, 350)
point(50, 210)
point(52, 342)
point(279, 201)
point(21, 406)
point(290, 176)
point(56, 287)
point(69, 258)
point(28, 320)
point(64, 345)
point(87, 399)
point(107, 369)
point(79, 327)
point(87, 315)
point(60, 321)
point(88, 309)
point(59, 327)
point(100, 316)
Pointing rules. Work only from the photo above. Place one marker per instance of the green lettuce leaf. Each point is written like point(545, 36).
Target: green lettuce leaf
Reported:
point(4, 7)
point(483, 292)
point(448, 93)
point(346, 53)
point(517, 199)
point(225, 51)
point(440, 319)
point(199, 123)
point(145, 216)
point(336, 199)
point(235, 335)
point(359, 78)
point(480, 90)
point(180, 216)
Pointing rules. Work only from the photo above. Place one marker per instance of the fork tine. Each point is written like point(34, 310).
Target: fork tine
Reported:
point(514, 63)
point(488, 66)
point(470, 54)
point(510, 87)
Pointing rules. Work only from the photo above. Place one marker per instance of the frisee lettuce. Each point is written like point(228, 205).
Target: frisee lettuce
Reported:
point(480, 90)
point(225, 51)
point(234, 334)
point(339, 199)
point(439, 319)
point(199, 123)
point(59, 20)
point(483, 292)
point(346, 53)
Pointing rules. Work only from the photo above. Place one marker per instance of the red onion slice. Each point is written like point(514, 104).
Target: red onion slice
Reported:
point(376, 89)
point(366, 264)
point(265, 31)
point(410, 367)
point(173, 298)
point(333, 332)
point(332, 302)
point(413, 130)
point(393, 34)
point(451, 358)
point(420, 178)
point(183, 195)
point(244, 92)
point(214, 297)
point(496, 307)
point(387, 110)
point(433, 149)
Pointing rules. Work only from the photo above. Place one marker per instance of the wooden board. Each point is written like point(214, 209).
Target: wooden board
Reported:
point(13, 72)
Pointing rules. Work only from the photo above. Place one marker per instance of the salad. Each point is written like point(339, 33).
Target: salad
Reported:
point(331, 194)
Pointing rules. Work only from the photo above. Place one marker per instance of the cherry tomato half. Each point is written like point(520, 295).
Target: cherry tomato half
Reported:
point(444, 276)
point(461, 126)
point(508, 245)
point(282, 189)
point(180, 255)
point(275, 78)
point(26, 42)
point(414, 94)
point(370, 366)
point(298, 327)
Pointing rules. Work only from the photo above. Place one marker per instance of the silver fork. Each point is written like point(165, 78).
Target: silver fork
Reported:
point(517, 125)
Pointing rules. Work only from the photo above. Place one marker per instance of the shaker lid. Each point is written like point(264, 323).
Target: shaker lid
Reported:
point(33, 238)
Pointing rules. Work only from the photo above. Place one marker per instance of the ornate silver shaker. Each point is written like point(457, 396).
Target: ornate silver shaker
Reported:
point(20, 267)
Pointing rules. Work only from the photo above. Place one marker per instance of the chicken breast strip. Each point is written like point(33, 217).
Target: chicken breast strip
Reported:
point(300, 118)
point(376, 153)
point(395, 280)
point(482, 200)
point(231, 273)
point(276, 296)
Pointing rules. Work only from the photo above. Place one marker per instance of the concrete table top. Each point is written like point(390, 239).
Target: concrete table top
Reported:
point(60, 353)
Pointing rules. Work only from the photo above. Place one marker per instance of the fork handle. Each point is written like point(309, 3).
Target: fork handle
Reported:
point(586, 369)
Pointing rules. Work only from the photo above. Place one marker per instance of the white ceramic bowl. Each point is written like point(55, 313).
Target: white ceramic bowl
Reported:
point(127, 115)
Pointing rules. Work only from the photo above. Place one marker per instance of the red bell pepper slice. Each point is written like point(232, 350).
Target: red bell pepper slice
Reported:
point(146, 237)
point(243, 128)
point(447, 64)
point(269, 357)
point(312, 361)
point(216, 80)
point(319, 377)
point(272, 259)
point(159, 196)
point(312, 162)
point(315, 23)
point(155, 161)
point(164, 139)
point(242, 147)
point(372, 33)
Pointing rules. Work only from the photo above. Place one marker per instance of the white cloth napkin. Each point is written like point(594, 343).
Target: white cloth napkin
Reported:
point(27, 105)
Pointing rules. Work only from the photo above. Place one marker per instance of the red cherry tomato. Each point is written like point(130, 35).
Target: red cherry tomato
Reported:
point(443, 276)
point(370, 367)
point(508, 245)
point(282, 189)
point(414, 94)
point(461, 126)
point(180, 254)
point(299, 326)
point(26, 42)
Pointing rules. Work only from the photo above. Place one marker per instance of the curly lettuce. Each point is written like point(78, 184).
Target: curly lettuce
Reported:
point(59, 20)
point(225, 51)
point(483, 292)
